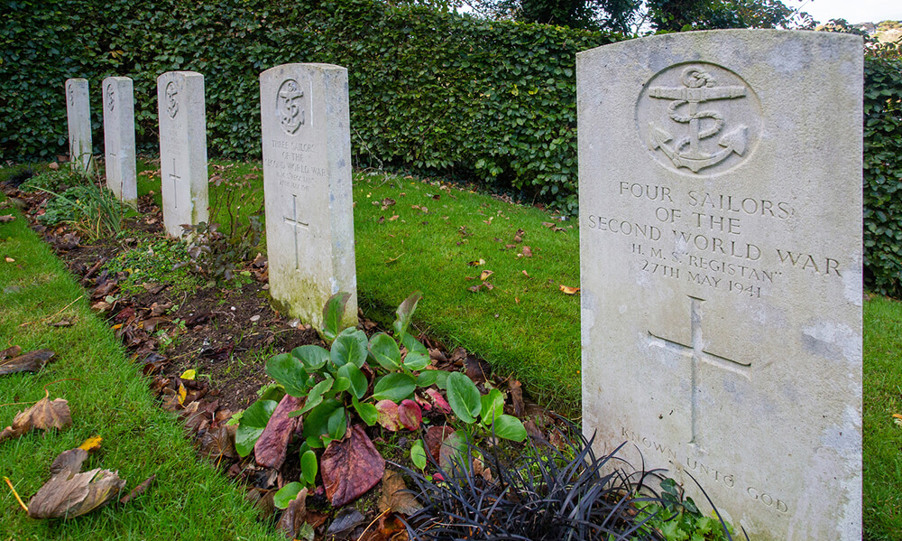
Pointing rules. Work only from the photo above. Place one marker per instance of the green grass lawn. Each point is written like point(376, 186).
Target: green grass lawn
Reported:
point(882, 437)
point(108, 397)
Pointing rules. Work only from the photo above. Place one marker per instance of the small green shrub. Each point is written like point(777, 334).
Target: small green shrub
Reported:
point(92, 210)
point(154, 260)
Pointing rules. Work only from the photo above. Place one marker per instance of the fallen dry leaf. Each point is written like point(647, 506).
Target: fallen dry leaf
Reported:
point(396, 496)
point(897, 419)
point(6, 218)
point(44, 415)
point(569, 290)
point(485, 275)
point(138, 490)
point(10, 352)
point(91, 444)
point(293, 518)
point(32, 361)
point(69, 494)
point(351, 467)
point(10, 260)
point(70, 460)
point(272, 446)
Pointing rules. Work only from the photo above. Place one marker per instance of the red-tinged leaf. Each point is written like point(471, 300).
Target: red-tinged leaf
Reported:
point(388, 415)
point(567, 290)
point(438, 401)
point(527, 252)
point(409, 414)
point(351, 467)
point(435, 435)
point(272, 446)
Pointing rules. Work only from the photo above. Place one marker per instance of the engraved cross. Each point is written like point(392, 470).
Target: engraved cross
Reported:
point(295, 224)
point(696, 351)
point(174, 177)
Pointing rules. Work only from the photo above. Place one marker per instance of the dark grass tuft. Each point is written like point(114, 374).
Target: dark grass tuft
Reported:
point(547, 494)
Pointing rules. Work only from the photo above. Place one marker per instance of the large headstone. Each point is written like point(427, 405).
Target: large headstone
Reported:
point(307, 188)
point(183, 149)
point(119, 138)
point(720, 217)
point(78, 112)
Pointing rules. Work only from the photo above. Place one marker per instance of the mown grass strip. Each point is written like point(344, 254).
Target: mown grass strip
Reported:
point(882, 436)
point(107, 397)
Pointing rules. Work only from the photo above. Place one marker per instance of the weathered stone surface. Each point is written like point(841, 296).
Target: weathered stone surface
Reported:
point(78, 113)
point(307, 185)
point(720, 210)
point(183, 149)
point(119, 138)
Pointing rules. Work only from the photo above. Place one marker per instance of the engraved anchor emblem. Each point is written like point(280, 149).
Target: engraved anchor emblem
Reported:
point(698, 87)
point(172, 106)
point(288, 106)
point(110, 96)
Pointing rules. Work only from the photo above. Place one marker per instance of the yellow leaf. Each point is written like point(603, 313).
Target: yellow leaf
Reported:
point(485, 275)
point(897, 419)
point(188, 374)
point(91, 444)
point(569, 290)
point(183, 393)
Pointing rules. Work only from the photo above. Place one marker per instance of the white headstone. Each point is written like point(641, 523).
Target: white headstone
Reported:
point(119, 138)
point(78, 112)
point(183, 149)
point(307, 188)
point(720, 218)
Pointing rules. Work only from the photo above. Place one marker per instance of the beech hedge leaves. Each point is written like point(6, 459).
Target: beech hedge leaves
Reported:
point(432, 92)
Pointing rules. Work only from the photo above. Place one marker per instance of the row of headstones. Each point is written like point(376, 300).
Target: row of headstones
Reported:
point(183, 142)
point(306, 170)
point(720, 256)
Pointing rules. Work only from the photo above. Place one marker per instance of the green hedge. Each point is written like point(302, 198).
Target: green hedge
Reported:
point(429, 91)
point(883, 175)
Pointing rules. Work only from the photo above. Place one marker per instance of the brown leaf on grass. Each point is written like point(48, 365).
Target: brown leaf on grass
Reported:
point(351, 467)
point(272, 446)
point(32, 361)
point(10, 352)
point(518, 237)
point(64, 322)
point(44, 415)
point(569, 290)
point(516, 393)
point(6, 218)
point(138, 490)
point(485, 275)
point(527, 252)
point(396, 496)
point(70, 460)
point(69, 494)
point(294, 517)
